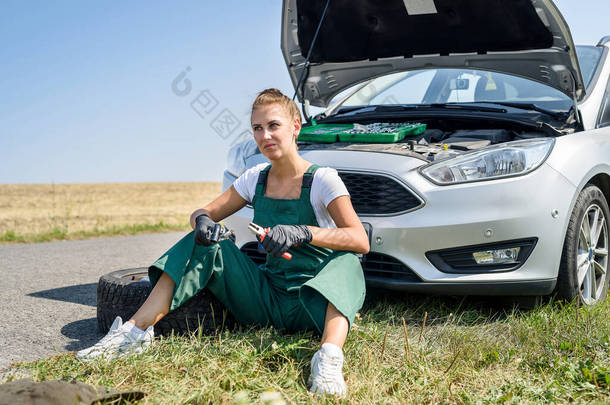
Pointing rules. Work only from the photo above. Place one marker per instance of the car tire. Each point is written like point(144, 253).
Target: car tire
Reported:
point(122, 293)
point(584, 261)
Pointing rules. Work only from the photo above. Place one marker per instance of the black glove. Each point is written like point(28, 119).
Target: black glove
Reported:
point(281, 237)
point(204, 227)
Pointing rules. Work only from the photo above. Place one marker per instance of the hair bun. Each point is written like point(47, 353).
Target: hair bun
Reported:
point(275, 96)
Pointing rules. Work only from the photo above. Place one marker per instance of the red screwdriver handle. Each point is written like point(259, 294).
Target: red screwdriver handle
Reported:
point(285, 255)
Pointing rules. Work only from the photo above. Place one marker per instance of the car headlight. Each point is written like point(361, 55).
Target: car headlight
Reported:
point(502, 160)
point(237, 155)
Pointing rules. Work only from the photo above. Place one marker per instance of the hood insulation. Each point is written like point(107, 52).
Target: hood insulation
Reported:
point(378, 29)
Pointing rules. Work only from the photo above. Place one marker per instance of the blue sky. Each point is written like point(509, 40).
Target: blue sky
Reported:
point(87, 91)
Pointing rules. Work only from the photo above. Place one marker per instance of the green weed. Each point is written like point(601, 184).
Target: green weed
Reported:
point(469, 351)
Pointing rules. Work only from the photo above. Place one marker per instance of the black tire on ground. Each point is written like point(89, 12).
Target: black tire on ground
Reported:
point(122, 292)
point(568, 287)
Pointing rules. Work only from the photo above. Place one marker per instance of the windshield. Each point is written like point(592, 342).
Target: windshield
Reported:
point(588, 59)
point(432, 86)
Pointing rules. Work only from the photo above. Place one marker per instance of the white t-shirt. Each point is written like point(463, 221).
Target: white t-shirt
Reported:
point(325, 187)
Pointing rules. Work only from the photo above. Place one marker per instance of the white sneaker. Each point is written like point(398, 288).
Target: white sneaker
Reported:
point(118, 322)
point(121, 339)
point(326, 376)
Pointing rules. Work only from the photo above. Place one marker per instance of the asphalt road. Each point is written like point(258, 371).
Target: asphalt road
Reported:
point(48, 291)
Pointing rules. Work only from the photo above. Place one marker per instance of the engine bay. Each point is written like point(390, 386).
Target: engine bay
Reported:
point(435, 144)
point(441, 139)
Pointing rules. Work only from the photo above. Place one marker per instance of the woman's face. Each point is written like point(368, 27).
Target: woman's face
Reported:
point(274, 130)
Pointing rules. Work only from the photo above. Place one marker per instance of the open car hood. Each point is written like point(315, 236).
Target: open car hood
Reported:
point(364, 39)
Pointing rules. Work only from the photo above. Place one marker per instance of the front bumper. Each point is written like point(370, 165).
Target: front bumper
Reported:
point(455, 216)
point(500, 288)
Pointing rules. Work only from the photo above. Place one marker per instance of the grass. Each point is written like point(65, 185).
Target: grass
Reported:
point(449, 350)
point(469, 351)
point(46, 212)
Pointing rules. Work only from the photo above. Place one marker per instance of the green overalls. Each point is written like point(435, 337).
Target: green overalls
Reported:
point(288, 294)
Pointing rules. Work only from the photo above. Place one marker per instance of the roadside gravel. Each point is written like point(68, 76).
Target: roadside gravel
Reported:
point(48, 290)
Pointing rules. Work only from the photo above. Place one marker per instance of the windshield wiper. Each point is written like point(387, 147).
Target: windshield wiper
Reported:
point(369, 110)
point(473, 106)
point(443, 106)
point(374, 109)
point(530, 106)
point(468, 107)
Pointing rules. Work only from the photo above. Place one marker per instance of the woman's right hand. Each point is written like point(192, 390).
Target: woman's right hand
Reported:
point(203, 230)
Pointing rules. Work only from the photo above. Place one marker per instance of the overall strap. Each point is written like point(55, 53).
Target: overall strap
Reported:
point(308, 176)
point(261, 183)
point(307, 181)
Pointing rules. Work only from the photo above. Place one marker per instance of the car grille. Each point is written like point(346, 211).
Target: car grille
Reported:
point(374, 264)
point(374, 194)
point(252, 251)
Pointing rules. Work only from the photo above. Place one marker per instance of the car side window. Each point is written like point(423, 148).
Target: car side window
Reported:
point(604, 118)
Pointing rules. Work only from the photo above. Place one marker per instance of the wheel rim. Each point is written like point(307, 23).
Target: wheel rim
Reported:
point(592, 257)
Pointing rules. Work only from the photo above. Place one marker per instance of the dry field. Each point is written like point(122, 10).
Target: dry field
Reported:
point(42, 212)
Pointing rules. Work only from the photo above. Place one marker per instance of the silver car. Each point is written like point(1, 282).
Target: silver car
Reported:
point(506, 192)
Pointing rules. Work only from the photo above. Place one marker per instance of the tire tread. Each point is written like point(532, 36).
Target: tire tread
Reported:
point(119, 296)
point(567, 287)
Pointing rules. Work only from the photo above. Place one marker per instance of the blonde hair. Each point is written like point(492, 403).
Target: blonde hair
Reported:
point(274, 96)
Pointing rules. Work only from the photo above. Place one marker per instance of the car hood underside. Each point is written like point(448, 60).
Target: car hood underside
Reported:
point(363, 39)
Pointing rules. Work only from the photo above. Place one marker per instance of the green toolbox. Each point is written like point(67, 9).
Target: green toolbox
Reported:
point(362, 133)
point(323, 133)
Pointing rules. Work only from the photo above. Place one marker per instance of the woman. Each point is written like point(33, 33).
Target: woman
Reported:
point(310, 215)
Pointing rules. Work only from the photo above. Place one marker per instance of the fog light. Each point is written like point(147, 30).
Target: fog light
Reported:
point(506, 255)
point(498, 256)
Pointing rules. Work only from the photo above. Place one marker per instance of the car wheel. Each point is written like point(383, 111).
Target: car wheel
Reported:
point(584, 260)
point(122, 293)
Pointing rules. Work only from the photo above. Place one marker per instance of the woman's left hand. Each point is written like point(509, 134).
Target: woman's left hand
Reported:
point(281, 237)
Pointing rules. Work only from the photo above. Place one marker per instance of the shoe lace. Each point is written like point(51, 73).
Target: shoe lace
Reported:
point(330, 367)
point(130, 338)
point(109, 336)
point(127, 338)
